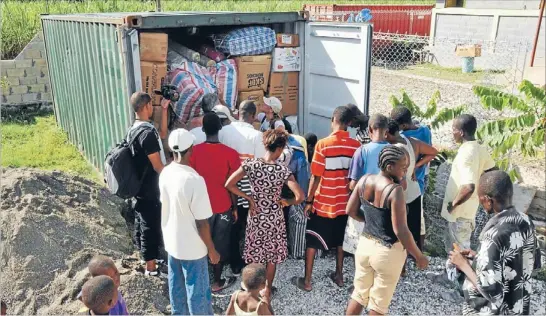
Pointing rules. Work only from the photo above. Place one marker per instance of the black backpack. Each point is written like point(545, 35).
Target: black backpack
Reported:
point(120, 173)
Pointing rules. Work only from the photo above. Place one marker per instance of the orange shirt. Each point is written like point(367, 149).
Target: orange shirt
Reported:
point(331, 162)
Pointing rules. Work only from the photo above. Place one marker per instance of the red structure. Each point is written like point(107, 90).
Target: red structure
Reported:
point(398, 19)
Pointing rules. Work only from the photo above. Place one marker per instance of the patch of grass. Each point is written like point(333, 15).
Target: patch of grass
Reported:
point(39, 143)
point(21, 19)
point(453, 74)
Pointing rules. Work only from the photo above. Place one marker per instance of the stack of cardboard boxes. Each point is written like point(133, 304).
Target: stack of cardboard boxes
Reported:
point(284, 81)
point(276, 75)
point(153, 67)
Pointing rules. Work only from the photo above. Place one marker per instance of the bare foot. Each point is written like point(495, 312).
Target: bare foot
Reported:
point(337, 279)
point(300, 284)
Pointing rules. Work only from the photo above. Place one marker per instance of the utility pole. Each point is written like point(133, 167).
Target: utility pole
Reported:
point(157, 5)
point(540, 15)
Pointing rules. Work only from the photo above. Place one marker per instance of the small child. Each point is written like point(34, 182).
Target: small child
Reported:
point(249, 302)
point(102, 265)
point(99, 295)
point(4, 309)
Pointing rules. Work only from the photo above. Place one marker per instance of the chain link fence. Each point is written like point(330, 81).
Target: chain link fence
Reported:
point(501, 63)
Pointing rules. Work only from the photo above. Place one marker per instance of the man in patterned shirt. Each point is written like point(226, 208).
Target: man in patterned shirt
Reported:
point(498, 280)
point(328, 196)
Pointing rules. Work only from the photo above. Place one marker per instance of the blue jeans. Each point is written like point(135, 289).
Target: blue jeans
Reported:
point(189, 287)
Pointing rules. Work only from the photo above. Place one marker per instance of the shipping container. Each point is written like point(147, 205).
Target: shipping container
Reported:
point(398, 19)
point(94, 65)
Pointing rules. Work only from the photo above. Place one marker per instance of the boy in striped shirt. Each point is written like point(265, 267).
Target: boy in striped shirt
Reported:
point(328, 196)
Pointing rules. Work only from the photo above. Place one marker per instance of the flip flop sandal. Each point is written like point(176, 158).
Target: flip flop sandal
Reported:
point(332, 276)
point(299, 283)
point(227, 283)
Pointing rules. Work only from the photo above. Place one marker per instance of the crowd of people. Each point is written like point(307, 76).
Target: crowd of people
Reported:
point(286, 195)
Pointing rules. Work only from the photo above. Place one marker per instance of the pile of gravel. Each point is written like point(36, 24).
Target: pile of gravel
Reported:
point(51, 226)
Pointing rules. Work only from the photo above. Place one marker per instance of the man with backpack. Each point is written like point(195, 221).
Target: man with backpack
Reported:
point(148, 160)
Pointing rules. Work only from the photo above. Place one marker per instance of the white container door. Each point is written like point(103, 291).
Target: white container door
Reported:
point(336, 71)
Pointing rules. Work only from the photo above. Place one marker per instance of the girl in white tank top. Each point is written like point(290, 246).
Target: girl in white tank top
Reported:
point(251, 302)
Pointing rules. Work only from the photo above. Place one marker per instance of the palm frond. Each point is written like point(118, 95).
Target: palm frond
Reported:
point(494, 99)
point(533, 93)
point(446, 115)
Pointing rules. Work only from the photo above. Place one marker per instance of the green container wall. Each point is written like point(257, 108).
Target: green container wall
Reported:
point(89, 86)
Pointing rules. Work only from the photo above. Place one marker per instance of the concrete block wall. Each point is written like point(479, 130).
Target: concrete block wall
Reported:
point(25, 79)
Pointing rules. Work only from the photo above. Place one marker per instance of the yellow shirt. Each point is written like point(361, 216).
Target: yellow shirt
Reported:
point(471, 161)
point(303, 143)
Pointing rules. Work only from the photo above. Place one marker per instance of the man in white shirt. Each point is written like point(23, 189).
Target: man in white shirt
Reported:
point(185, 209)
point(250, 147)
point(208, 102)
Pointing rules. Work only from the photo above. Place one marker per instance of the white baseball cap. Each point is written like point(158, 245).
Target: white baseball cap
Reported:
point(180, 140)
point(223, 112)
point(274, 103)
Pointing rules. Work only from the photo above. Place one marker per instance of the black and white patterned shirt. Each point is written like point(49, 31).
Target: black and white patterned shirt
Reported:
point(503, 264)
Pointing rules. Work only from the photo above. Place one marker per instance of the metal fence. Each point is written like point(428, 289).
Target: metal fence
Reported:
point(501, 64)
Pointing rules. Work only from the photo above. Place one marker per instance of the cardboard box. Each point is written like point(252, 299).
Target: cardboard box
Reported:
point(256, 96)
point(153, 46)
point(253, 72)
point(468, 50)
point(286, 59)
point(156, 116)
point(288, 40)
point(285, 86)
point(153, 75)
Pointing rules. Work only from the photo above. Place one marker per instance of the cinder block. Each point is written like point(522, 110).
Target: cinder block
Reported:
point(43, 71)
point(32, 54)
point(37, 88)
point(13, 81)
point(23, 63)
point(46, 96)
point(19, 72)
point(14, 99)
point(39, 62)
point(27, 80)
point(47, 88)
point(7, 64)
point(44, 80)
point(19, 89)
point(33, 72)
point(29, 97)
point(3, 72)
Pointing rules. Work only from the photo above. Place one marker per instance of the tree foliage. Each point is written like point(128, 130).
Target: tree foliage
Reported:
point(522, 132)
point(430, 116)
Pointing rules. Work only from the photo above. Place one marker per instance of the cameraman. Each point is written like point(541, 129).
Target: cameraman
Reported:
point(149, 161)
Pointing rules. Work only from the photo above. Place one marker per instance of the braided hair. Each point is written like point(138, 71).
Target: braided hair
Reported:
point(389, 155)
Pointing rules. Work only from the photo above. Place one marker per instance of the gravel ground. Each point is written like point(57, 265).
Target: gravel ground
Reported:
point(415, 294)
point(388, 82)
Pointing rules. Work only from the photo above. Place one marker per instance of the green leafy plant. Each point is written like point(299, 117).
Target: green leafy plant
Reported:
point(522, 132)
point(431, 116)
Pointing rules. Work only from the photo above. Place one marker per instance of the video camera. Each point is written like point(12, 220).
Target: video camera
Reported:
point(168, 92)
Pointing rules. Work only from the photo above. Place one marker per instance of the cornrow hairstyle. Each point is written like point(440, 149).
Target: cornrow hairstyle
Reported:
point(389, 155)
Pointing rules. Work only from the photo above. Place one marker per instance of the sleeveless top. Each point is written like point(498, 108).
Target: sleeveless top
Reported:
point(378, 220)
point(240, 312)
point(413, 191)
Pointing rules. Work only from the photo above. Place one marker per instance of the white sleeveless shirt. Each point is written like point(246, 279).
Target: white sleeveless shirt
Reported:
point(413, 190)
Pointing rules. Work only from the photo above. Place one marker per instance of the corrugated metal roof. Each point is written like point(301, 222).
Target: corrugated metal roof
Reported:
point(151, 20)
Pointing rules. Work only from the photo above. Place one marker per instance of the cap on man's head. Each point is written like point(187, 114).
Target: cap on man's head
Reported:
point(274, 103)
point(180, 140)
point(223, 113)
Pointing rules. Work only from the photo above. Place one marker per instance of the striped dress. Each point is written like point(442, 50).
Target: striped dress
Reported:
point(331, 162)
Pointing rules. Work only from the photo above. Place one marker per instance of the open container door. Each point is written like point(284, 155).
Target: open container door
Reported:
point(336, 71)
